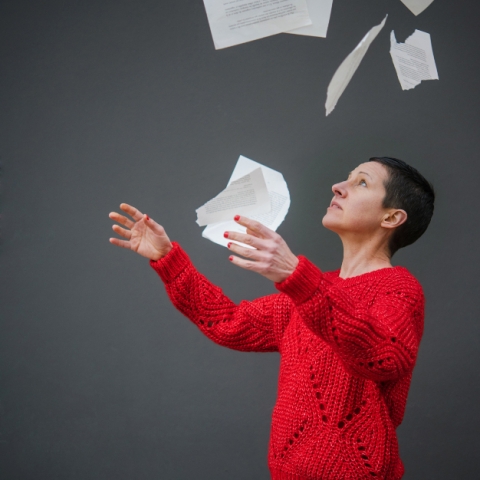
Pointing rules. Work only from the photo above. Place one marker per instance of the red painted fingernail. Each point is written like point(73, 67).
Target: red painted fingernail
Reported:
point(229, 243)
point(236, 218)
point(148, 218)
point(230, 258)
point(225, 234)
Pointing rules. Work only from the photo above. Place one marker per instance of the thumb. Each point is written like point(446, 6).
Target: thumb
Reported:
point(153, 225)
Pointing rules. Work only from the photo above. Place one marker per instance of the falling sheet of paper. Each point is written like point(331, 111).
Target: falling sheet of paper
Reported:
point(279, 198)
point(247, 195)
point(417, 6)
point(238, 21)
point(319, 11)
point(413, 59)
point(348, 67)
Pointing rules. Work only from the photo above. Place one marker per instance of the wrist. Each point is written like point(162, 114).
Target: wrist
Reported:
point(292, 267)
point(161, 253)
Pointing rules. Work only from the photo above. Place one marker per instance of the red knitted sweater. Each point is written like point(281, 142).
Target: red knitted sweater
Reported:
point(348, 347)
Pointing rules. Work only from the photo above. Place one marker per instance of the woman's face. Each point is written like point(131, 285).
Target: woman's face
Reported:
point(357, 203)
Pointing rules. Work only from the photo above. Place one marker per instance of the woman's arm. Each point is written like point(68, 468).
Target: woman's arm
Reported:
point(250, 326)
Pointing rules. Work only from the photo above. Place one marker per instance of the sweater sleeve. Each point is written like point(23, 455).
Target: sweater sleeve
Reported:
point(249, 326)
point(378, 339)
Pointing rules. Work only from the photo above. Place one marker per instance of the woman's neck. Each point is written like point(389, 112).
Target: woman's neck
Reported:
point(361, 257)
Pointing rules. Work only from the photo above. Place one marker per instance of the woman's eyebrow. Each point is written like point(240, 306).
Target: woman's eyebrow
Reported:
point(365, 173)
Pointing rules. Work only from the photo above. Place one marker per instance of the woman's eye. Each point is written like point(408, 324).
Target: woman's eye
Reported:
point(363, 182)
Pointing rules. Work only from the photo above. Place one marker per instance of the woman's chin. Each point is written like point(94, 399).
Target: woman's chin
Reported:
point(330, 223)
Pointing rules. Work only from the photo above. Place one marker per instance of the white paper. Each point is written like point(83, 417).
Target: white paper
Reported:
point(247, 195)
point(417, 6)
point(319, 11)
point(238, 21)
point(277, 191)
point(413, 59)
point(348, 67)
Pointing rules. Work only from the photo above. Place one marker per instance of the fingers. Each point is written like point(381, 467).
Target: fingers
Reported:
point(245, 238)
point(257, 236)
point(122, 232)
point(254, 227)
point(120, 243)
point(259, 267)
point(121, 219)
point(132, 211)
point(249, 253)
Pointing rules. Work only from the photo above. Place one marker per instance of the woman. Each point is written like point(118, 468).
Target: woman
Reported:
point(348, 339)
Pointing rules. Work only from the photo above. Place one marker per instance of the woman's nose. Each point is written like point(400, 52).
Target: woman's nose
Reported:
point(339, 189)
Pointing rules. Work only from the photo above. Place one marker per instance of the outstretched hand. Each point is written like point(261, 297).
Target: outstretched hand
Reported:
point(143, 235)
point(270, 255)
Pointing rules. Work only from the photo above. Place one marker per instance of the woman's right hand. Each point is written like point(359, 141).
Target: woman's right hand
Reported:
point(143, 235)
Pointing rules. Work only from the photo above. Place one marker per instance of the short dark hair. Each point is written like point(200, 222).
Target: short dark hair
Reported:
point(408, 190)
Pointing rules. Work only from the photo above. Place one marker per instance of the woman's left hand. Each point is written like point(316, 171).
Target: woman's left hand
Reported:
point(270, 255)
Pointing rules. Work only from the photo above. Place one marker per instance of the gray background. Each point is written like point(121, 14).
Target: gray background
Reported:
point(111, 101)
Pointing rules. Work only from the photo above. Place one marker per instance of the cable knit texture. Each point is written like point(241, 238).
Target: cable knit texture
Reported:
point(348, 348)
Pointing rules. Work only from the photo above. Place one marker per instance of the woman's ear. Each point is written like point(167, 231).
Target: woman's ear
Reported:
point(394, 218)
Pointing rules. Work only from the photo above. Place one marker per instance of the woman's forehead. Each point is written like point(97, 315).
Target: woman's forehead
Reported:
point(374, 169)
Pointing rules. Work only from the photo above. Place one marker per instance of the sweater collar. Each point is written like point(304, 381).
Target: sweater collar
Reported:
point(367, 277)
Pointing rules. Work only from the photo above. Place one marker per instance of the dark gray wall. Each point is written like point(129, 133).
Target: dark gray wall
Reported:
point(111, 101)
